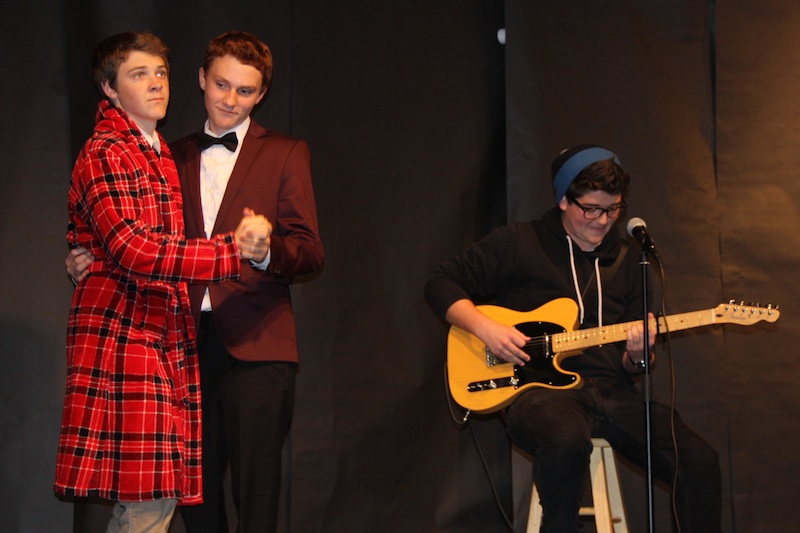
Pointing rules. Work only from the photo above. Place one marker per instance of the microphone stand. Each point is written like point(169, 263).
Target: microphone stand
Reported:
point(646, 387)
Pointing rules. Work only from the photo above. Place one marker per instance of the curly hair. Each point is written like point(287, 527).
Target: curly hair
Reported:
point(606, 176)
point(246, 48)
point(602, 172)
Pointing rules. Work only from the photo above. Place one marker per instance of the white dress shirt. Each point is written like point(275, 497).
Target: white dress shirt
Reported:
point(216, 166)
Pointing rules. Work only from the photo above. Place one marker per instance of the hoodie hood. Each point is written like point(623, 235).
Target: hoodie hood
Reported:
point(604, 255)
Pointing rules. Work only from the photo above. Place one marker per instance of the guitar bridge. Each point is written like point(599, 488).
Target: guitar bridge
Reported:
point(492, 359)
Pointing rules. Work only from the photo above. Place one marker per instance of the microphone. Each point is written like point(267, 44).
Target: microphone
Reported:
point(637, 228)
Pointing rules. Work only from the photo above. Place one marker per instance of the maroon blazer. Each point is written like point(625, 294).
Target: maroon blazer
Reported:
point(272, 176)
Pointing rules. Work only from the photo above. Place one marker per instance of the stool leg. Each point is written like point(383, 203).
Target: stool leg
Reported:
point(602, 511)
point(534, 512)
point(616, 504)
point(607, 505)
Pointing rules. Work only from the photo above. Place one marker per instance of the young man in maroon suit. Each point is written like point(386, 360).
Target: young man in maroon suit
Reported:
point(246, 328)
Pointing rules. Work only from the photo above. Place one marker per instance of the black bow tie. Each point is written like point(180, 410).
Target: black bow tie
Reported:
point(228, 140)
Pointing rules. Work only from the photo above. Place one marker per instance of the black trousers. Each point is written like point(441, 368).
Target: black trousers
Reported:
point(247, 410)
point(556, 426)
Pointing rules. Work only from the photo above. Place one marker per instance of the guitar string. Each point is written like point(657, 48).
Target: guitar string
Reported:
point(577, 335)
point(667, 323)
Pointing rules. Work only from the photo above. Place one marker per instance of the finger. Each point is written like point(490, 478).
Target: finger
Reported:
point(254, 238)
point(520, 359)
point(518, 354)
point(247, 212)
point(249, 237)
point(252, 221)
point(256, 224)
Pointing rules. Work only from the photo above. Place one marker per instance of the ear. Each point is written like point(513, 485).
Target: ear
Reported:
point(202, 75)
point(260, 96)
point(563, 203)
point(109, 91)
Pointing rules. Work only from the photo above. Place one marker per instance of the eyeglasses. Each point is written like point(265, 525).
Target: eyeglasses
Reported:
point(593, 213)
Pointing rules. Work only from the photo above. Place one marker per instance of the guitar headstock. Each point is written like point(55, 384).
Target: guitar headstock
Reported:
point(739, 313)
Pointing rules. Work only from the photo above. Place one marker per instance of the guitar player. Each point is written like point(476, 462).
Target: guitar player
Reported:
point(575, 251)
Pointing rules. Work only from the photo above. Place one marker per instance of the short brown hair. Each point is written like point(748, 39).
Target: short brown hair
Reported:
point(246, 48)
point(113, 51)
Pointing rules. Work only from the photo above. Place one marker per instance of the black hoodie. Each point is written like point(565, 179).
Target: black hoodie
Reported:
point(526, 265)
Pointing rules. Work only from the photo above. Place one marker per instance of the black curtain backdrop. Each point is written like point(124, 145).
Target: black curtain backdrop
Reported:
point(698, 100)
point(426, 132)
point(758, 113)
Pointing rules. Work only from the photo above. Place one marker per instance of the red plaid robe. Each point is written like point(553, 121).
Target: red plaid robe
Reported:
point(131, 424)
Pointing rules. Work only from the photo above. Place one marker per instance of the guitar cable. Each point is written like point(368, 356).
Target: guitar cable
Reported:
point(459, 421)
point(462, 422)
point(672, 395)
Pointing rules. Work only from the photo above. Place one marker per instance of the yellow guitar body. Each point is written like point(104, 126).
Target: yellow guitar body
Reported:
point(482, 383)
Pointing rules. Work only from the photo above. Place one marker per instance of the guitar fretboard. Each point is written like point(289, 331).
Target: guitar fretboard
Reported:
point(586, 338)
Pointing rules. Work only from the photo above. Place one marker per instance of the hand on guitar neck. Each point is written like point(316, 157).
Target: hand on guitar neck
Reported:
point(633, 358)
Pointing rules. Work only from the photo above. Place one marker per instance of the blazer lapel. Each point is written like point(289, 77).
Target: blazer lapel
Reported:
point(247, 155)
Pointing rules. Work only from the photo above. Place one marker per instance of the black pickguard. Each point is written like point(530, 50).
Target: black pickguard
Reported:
point(540, 369)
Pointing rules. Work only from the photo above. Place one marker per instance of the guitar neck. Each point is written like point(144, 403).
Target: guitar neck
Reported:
point(580, 339)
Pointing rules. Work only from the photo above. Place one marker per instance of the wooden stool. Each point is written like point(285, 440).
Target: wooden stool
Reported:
point(608, 510)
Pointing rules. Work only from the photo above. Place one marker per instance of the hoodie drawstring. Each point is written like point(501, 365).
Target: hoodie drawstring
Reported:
point(577, 286)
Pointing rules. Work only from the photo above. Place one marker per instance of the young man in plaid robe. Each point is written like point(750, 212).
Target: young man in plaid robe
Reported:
point(131, 425)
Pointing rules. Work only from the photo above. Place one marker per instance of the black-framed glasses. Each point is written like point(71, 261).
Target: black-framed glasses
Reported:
point(593, 213)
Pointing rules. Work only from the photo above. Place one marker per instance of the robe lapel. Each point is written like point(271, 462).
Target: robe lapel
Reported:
point(191, 196)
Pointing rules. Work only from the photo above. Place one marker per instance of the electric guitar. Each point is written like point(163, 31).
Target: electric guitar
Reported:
point(484, 383)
